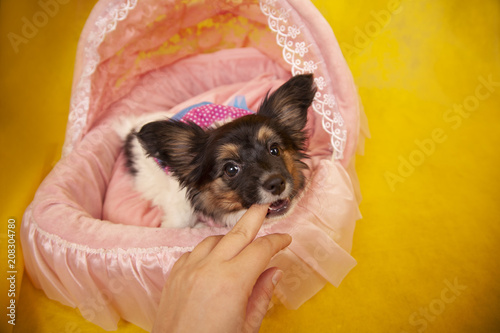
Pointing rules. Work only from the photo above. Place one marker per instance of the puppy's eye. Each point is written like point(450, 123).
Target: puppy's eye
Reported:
point(231, 169)
point(274, 150)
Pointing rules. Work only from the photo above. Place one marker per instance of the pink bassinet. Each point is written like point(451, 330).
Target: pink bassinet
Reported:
point(91, 242)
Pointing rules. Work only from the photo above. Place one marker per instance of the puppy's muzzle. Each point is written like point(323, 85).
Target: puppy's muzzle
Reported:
point(275, 184)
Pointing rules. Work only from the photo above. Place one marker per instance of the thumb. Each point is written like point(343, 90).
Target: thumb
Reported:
point(258, 302)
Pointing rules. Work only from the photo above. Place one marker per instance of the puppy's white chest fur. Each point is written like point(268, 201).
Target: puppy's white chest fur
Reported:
point(161, 189)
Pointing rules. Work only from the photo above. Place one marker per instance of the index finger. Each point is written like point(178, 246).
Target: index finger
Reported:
point(243, 233)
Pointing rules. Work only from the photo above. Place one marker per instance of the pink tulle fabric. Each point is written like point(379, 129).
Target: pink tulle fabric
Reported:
point(90, 241)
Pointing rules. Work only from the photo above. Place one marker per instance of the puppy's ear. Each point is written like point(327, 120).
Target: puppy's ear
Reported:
point(178, 145)
point(289, 103)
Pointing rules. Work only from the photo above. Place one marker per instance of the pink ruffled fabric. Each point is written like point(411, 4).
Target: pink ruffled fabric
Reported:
point(91, 242)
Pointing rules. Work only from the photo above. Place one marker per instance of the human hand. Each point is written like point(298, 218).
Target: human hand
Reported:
point(222, 285)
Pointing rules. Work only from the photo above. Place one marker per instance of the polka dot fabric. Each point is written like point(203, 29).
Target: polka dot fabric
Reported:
point(206, 115)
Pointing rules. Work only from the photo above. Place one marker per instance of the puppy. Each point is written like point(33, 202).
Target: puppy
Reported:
point(217, 173)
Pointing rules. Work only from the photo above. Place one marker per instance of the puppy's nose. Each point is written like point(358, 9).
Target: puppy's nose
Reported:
point(275, 185)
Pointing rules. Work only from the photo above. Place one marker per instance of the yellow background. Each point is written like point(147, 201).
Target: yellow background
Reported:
point(431, 210)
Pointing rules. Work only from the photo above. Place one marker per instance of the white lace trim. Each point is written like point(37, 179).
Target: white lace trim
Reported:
point(80, 100)
point(294, 53)
point(287, 37)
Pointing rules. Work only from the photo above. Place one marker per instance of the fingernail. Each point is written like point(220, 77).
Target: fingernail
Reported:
point(277, 277)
